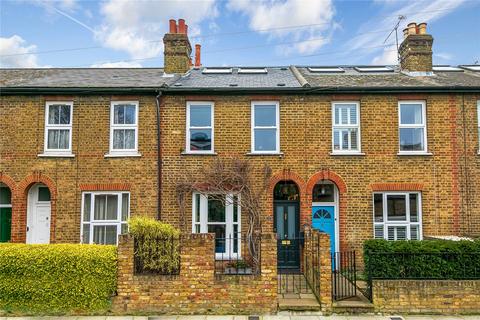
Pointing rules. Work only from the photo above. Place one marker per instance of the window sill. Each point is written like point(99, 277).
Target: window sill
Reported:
point(185, 153)
point(347, 153)
point(122, 155)
point(56, 155)
point(420, 153)
point(278, 154)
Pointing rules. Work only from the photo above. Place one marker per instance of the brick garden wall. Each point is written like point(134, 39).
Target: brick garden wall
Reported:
point(22, 128)
point(427, 296)
point(197, 290)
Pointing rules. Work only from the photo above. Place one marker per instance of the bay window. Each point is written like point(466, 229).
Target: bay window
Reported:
point(397, 216)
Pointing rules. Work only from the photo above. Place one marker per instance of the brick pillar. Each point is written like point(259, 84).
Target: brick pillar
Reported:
point(325, 273)
point(125, 269)
point(268, 253)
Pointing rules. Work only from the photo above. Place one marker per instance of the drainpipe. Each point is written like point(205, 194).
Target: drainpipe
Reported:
point(159, 158)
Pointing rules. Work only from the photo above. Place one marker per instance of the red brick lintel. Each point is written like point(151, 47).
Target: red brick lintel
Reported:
point(397, 186)
point(105, 187)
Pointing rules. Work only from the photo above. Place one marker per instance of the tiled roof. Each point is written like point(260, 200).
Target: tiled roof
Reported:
point(351, 78)
point(275, 77)
point(84, 78)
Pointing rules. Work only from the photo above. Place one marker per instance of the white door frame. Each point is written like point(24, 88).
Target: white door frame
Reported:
point(335, 210)
point(32, 205)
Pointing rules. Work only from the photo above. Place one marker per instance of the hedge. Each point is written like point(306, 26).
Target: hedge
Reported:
point(56, 278)
point(428, 259)
point(157, 246)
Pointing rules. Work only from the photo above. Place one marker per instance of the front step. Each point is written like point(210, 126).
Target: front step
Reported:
point(303, 304)
point(353, 305)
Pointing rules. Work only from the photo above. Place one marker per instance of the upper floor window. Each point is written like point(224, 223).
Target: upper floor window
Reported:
point(104, 216)
point(397, 215)
point(199, 127)
point(346, 127)
point(412, 127)
point(58, 128)
point(265, 127)
point(124, 127)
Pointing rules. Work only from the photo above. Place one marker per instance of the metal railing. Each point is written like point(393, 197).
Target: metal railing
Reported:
point(160, 255)
point(238, 254)
point(311, 258)
point(344, 275)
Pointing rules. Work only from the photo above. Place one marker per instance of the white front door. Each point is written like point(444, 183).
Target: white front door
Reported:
point(38, 215)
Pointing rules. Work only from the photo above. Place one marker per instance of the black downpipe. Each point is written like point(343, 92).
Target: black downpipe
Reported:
point(159, 159)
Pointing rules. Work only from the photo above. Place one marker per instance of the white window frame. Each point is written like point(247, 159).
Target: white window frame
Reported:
point(211, 127)
point(478, 125)
point(423, 125)
point(229, 223)
point(406, 223)
point(123, 152)
point(117, 222)
point(277, 126)
point(347, 126)
point(7, 205)
point(58, 152)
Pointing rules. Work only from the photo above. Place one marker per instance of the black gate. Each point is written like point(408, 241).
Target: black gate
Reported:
point(291, 279)
point(344, 275)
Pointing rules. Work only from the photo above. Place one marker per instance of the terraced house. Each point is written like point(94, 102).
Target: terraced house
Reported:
point(358, 152)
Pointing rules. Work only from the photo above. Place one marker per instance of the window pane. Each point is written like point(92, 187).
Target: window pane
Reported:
point(129, 139)
point(63, 138)
point(200, 139)
point(265, 116)
point(345, 139)
point(414, 232)
point(235, 238)
point(413, 208)
point(235, 208)
point(87, 203)
point(5, 195)
point(197, 228)
point(216, 210)
point(124, 228)
point(323, 193)
point(197, 208)
point(43, 194)
point(265, 139)
point(219, 231)
point(378, 232)
point(86, 233)
point(100, 207)
point(411, 114)
point(343, 115)
point(353, 139)
point(411, 139)
point(378, 207)
point(112, 207)
point(200, 116)
point(353, 114)
point(53, 114)
point(119, 114)
point(130, 114)
point(125, 206)
point(336, 139)
point(58, 139)
point(118, 139)
point(64, 114)
point(105, 234)
point(337, 115)
point(396, 208)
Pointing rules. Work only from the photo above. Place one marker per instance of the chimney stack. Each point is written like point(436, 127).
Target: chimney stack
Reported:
point(177, 48)
point(197, 56)
point(416, 49)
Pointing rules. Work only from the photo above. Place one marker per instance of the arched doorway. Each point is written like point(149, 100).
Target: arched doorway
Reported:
point(38, 214)
point(286, 203)
point(5, 213)
point(325, 199)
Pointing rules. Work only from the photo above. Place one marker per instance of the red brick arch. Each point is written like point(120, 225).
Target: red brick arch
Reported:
point(286, 175)
point(342, 198)
point(19, 213)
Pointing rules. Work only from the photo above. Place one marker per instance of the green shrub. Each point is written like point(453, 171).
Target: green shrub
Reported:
point(428, 259)
point(157, 246)
point(56, 278)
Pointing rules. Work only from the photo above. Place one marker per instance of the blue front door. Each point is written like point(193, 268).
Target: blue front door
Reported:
point(323, 219)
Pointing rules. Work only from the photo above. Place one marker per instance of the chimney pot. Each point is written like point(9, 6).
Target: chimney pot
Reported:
point(181, 26)
point(405, 32)
point(412, 28)
point(422, 28)
point(197, 56)
point(173, 26)
point(186, 29)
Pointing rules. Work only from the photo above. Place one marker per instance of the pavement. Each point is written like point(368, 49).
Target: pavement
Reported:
point(280, 316)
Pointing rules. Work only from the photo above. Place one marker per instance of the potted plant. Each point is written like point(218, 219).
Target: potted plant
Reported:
point(238, 267)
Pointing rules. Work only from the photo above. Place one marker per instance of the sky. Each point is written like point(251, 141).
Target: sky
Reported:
point(128, 33)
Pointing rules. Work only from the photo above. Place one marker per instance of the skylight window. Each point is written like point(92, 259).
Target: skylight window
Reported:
point(252, 70)
point(217, 70)
point(446, 68)
point(326, 69)
point(471, 67)
point(374, 69)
